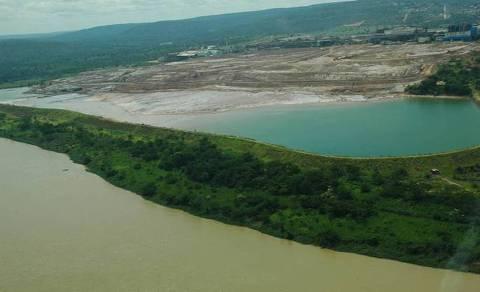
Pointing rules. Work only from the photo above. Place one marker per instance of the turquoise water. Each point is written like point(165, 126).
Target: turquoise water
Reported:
point(361, 129)
point(14, 93)
point(387, 128)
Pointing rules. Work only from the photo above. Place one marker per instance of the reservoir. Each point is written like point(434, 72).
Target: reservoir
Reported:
point(362, 129)
point(399, 127)
point(64, 229)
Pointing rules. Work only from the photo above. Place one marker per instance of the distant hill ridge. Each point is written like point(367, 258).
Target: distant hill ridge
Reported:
point(24, 60)
point(315, 18)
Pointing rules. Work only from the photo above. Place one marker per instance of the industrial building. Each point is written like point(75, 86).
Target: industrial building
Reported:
point(459, 32)
point(462, 32)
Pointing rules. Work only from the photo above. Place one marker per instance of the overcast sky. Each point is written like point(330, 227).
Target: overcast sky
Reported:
point(32, 16)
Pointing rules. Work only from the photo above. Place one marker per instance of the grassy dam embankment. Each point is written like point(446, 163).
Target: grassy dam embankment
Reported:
point(391, 208)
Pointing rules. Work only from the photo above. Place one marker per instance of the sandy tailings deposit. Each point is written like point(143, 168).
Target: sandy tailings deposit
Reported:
point(287, 76)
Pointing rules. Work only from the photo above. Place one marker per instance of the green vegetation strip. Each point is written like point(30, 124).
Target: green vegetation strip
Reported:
point(390, 208)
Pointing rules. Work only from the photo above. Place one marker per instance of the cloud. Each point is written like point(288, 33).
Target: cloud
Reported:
point(28, 16)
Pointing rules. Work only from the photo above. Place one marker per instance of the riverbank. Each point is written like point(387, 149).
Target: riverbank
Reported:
point(389, 208)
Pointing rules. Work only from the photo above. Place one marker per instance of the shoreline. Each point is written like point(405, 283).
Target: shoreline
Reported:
point(199, 102)
point(437, 97)
point(188, 103)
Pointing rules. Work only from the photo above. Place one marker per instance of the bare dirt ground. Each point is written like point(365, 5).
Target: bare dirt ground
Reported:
point(284, 76)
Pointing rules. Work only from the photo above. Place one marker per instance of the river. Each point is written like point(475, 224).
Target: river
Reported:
point(68, 230)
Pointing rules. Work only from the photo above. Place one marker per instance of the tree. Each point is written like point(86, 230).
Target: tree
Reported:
point(343, 192)
point(328, 238)
point(399, 174)
point(148, 190)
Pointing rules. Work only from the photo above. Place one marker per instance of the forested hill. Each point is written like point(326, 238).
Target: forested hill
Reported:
point(52, 56)
point(314, 18)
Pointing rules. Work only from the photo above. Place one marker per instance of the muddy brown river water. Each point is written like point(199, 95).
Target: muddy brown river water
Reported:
point(64, 229)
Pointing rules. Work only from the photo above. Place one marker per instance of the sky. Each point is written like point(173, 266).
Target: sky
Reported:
point(38, 16)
